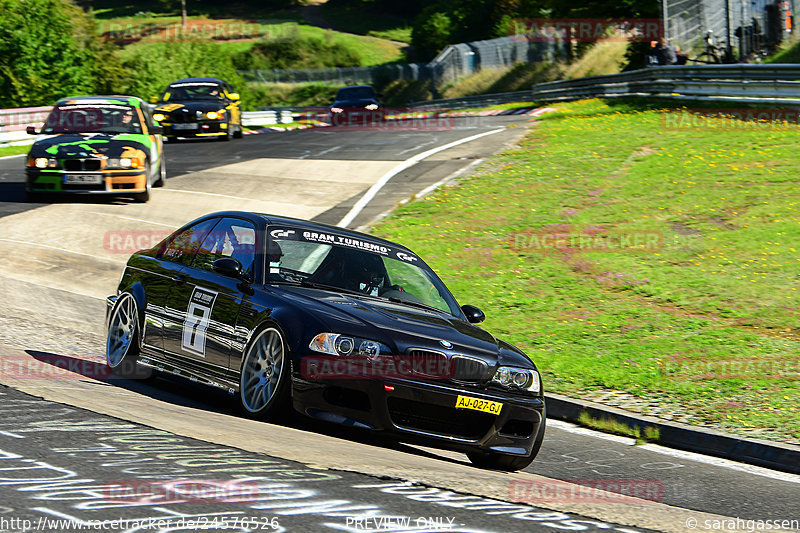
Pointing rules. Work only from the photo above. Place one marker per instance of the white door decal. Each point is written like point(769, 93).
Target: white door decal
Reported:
point(198, 316)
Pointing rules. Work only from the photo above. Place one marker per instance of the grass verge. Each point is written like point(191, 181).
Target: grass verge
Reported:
point(702, 327)
point(14, 150)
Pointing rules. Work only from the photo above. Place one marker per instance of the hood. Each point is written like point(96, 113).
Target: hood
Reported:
point(85, 145)
point(397, 325)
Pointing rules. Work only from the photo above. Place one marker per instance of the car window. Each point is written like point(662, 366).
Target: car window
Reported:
point(182, 246)
point(414, 281)
point(354, 93)
point(193, 91)
point(92, 118)
point(232, 237)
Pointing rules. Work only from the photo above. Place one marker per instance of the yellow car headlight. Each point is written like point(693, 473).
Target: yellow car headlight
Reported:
point(158, 117)
point(372, 107)
point(213, 115)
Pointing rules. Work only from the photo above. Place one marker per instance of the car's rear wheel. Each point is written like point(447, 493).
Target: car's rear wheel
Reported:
point(122, 341)
point(264, 382)
point(510, 463)
point(238, 133)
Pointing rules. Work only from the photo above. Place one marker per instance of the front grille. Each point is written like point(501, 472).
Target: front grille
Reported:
point(182, 117)
point(428, 418)
point(470, 368)
point(427, 363)
point(81, 164)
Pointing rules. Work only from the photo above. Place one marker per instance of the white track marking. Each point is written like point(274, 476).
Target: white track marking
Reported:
point(132, 219)
point(677, 454)
point(370, 194)
point(10, 156)
point(39, 245)
point(207, 194)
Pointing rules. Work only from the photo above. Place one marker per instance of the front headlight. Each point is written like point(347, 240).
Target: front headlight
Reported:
point(124, 162)
point(45, 162)
point(214, 115)
point(337, 110)
point(520, 378)
point(158, 117)
point(372, 107)
point(337, 344)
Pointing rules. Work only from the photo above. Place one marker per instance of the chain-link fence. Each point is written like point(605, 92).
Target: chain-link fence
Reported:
point(749, 26)
point(453, 62)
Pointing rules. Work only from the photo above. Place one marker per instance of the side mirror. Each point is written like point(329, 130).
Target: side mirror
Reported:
point(156, 130)
point(228, 266)
point(473, 314)
point(154, 99)
point(233, 96)
point(30, 130)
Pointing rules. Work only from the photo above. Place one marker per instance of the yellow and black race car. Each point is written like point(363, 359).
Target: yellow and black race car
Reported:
point(199, 107)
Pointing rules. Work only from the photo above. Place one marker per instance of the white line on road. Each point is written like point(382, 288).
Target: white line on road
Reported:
point(39, 245)
point(132, 219)
point(370, 194)
point(10, 156)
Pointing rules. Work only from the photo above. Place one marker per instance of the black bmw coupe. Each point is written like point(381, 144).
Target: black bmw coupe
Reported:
point(338, 325)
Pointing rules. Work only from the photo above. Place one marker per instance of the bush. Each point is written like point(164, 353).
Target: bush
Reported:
point(152, 66)
point(296, 52)
point(431, 33)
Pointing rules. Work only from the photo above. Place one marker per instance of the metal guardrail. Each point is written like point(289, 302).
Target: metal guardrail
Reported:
point(475, 101)
point(772, 84)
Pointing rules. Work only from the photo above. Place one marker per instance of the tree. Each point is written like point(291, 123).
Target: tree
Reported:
point(48, 50)
point(431, 33)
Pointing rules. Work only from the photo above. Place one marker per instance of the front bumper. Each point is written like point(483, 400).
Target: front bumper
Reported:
point(108, 181)
point(195, 129)
point(424, 412)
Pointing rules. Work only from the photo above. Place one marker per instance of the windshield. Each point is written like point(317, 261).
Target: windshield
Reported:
point(93, 118)
point(193, 91)
point(354, 265)
point(355, 93)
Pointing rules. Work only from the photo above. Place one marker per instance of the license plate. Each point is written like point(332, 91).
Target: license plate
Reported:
point(91, 179)
point(184, 126)
point(476, 404)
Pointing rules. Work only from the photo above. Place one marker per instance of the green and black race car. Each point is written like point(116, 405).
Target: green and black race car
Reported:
point(199, 107)
point(99, 145)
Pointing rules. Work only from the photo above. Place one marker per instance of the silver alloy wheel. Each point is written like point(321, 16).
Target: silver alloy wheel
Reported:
point(121, 330)
point(261, 371)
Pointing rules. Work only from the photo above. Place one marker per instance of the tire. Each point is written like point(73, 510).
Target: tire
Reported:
point(264, 375)
point(143, 197)
point(238, 134)
point(168, 140)
point(122, 339)
point(228, 135)
point(510, 463)
point(162, 173)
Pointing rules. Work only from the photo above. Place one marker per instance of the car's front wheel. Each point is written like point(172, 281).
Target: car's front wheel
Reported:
point(264, 382)
point(510, 463)
point(122, 341)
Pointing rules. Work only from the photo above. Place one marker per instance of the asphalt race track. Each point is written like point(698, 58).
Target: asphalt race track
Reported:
point(72, 440)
